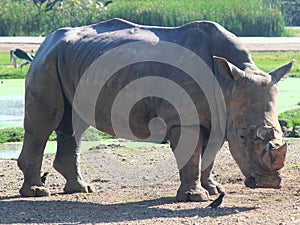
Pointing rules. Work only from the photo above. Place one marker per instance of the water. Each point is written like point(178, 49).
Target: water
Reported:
point(11, 111)
point(10, 150)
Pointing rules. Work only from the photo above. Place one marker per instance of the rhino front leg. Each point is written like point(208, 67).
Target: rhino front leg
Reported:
point(190, 188)
point(209, 183)
point(67, 156)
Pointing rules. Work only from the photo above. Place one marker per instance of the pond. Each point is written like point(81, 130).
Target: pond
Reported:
point(11, 111)
point(12, 150)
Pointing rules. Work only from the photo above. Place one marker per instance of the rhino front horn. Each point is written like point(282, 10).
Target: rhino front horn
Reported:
point(265, 133)
point(274, 157)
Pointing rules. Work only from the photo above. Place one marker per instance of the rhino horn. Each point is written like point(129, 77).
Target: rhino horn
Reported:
point(274, 158)
point(282, 72)
point(265, 133)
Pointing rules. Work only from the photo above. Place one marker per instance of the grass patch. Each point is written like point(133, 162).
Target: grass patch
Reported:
point(7, 70)
point(268, 61)
point(291, 32)
point(16, 134)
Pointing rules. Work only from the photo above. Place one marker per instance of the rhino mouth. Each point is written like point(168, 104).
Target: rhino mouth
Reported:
point(263, 181)
point(250, 182)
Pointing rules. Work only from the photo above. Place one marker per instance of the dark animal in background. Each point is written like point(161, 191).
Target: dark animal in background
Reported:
point(20, 54)
point(44, 177)
point(216, 203)
point(107, 3)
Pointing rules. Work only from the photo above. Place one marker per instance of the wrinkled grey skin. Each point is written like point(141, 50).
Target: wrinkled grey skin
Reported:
point(252, 128)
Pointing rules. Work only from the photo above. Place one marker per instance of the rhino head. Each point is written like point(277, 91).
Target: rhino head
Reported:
point(253, 130)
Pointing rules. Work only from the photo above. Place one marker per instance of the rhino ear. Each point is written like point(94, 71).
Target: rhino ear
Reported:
point(282, 72)
point(228, 70)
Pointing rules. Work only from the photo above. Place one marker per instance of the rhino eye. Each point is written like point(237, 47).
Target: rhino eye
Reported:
point(243, 138)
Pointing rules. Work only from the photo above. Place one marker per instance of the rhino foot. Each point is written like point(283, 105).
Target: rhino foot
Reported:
point(34, 191)
point(78, 186)
point(198, 194)
point(213, 187)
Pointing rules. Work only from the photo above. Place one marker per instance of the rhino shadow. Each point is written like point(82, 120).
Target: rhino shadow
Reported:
point(47, 211)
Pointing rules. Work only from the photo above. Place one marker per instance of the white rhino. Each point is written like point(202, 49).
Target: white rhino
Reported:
point(250, 96)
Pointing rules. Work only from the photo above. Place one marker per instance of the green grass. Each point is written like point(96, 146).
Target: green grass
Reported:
point(291, 32)
point(16, 134)
point(7, 70)
point(268, 61)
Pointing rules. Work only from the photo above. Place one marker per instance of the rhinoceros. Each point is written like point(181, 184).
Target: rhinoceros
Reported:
point(249, 96)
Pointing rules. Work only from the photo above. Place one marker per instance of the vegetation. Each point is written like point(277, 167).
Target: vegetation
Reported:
point(291, 32)
point(266, 61)
point(290, 123)
point(291, 118)
point(16, 134)
point(291, 11)
point(7, 71)
point(243, 17)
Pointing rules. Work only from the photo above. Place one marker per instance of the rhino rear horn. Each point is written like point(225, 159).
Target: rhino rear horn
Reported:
point(274, 158)
point(228, 70)
point(282, 72)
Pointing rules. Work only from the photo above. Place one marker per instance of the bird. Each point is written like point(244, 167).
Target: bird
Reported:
point(44, 177)
point(107, 3)
point(217, 202)
point(20, 54)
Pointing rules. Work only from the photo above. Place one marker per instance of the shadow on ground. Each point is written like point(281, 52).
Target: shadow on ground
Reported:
point(27, 210)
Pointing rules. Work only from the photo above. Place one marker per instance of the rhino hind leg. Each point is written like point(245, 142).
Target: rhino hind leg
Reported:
point(30, 162)
point(42, 116)
point(209, 183)
point(190, 188)
point(67, 156)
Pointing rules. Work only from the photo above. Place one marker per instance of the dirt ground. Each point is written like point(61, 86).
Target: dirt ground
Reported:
point(138, 186)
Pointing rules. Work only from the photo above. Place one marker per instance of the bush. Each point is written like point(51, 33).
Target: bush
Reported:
point(242, 17)
point(290, 123)
point(291, 118)
point(291, 11)
point(15, 134)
